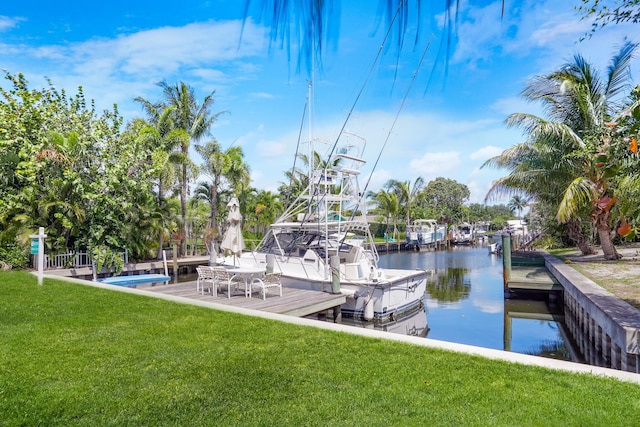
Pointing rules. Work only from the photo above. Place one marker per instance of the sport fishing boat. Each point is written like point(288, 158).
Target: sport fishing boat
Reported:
point(323, 242)
point(463, 234)
point(425, 232)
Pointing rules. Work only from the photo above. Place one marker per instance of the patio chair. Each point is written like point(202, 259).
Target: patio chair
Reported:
point(223, 277)
point(205, 275)
point(270, 280)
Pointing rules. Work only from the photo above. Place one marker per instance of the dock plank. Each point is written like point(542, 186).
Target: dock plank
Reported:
point(294, 302)
point(533, 278)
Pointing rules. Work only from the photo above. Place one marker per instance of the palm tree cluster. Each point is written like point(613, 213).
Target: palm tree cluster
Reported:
point(578, 162)
point(104, 187)
point(172, 124)
point(443, 199)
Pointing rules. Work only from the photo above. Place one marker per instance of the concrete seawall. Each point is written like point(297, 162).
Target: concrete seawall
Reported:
point(606, 329)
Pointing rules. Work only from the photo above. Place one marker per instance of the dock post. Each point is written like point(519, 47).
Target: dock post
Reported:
point(506, 262)
point(334, 262)
point(164, 261)
point(175, 261)
point(271, 258)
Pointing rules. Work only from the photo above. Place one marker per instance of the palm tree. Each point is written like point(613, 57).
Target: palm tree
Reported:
point(222, 167)
point(574, 150)
point(166, 141)
point(195, 119)
point(267, 207)
point(534, 170)
point(298, 178)
point(406, 194)
point(518, 203)
point(387, 204)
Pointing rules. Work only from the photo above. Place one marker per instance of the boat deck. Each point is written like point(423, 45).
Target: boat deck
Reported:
point(294, 302)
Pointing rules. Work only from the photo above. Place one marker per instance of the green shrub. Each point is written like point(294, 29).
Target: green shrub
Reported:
point(547, 242)
point(14, 255)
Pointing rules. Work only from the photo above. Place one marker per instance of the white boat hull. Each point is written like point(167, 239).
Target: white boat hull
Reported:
point(377, 299)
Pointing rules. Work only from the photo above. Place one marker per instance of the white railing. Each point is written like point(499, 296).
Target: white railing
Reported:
point(75, 260)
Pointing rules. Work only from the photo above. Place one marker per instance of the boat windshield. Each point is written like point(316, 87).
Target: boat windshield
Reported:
point(296, 243)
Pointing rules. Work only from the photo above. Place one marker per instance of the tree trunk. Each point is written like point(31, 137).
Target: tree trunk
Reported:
point(161, 203)
point(214, 206)
point(606, 242)
point(577, 235)
point(183, 207)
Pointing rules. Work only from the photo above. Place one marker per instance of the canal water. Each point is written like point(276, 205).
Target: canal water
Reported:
point(464, 303)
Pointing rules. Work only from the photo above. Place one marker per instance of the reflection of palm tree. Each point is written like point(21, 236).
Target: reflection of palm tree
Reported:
point(553, 349)
point(449, 286)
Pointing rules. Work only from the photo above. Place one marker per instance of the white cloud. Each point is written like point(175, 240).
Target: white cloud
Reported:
point(270, 149)
point(486, 152)
point(379, 178)
point(262, 95)
point(489, 306)
point(8, 22)
point(432, 164)
point(565, 26)
point(516, 104)
point(133, 63)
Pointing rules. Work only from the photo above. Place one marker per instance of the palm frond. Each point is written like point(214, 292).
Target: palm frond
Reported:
point(618, 72)
point(580, 193)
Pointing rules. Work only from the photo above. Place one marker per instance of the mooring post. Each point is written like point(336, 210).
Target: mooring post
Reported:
point(334, 262)
point(271, 258)
point(175, 261)
point(506, 261)
point(164, 261)
point(507, 334)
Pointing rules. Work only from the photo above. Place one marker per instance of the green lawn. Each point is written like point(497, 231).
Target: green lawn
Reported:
point(77, 355)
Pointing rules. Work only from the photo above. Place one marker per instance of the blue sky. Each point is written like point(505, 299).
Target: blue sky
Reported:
point(451, 122)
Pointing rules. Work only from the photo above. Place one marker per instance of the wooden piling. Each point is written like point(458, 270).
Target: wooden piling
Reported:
point(175, 261)
point(506, 262)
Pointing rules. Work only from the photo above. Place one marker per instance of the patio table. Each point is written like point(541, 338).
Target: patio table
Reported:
point(248, 273)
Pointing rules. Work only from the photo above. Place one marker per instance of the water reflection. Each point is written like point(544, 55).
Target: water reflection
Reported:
point(450, 285)
point(465, 304)
point(414, 324)
point(524, 320)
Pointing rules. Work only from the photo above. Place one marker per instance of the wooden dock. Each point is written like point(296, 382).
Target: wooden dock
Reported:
point(294, 302)
point(532, 278)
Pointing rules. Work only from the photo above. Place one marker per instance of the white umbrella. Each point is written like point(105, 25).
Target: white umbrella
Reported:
point(232, 242)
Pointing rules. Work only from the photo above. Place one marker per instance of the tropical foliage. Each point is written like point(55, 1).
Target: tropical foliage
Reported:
point(75, 172)
point(580, 158)
point(604, 13)
point(187, 120)
point(102, 186)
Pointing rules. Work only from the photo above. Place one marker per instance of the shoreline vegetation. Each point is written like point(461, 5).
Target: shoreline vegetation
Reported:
point(78, 355)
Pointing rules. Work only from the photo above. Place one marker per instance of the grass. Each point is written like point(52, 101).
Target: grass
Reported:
point(76, 355)
point(560, 252)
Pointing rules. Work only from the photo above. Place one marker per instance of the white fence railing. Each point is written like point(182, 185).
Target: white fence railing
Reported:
point(75, 260)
